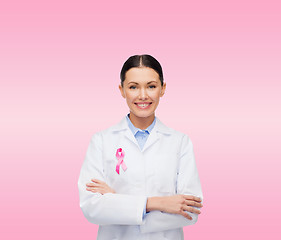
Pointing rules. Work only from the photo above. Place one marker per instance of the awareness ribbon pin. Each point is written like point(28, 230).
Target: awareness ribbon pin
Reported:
point(120, 160)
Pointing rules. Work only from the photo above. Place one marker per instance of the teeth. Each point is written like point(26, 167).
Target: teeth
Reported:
point(143, 105)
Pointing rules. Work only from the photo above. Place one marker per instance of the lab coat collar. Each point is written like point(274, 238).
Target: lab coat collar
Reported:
point(158, 129)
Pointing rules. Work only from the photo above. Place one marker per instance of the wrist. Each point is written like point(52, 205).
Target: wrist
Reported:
point(154, 203)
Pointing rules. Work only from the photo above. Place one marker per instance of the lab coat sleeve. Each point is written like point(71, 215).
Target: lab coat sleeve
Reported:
point(108, 208)
point(188, 183)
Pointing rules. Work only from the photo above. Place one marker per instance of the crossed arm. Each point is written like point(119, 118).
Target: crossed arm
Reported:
point(176, 204)
point(102, 205)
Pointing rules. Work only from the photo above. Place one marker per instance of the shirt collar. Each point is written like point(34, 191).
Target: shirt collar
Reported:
point(159, 126)
point(135, 129)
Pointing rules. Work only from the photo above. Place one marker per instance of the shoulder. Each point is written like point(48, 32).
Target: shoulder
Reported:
point(172, 131)
point(178, 138)
point(121, 125)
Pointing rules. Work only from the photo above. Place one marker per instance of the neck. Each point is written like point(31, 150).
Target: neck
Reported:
point(141, 122)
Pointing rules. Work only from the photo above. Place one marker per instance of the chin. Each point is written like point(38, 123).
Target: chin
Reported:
point(143, 114)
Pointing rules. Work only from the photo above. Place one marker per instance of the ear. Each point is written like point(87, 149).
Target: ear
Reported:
point(121, 91)
point(163, 89)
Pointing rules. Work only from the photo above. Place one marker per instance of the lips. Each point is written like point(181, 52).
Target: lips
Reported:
point(143, 105)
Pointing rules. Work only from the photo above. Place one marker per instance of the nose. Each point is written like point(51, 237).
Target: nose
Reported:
point(143, 94)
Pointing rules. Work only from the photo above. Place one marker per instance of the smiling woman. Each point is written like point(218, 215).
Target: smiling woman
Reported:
point(142, 90)
point(139, 178)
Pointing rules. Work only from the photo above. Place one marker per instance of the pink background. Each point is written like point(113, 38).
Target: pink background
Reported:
point(59, 70)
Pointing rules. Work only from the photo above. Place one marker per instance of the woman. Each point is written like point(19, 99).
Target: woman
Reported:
point(139, 179)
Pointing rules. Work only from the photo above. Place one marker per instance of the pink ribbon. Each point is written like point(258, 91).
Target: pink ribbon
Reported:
point(120, 160)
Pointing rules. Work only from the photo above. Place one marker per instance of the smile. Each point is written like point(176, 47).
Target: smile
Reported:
point(143, 105)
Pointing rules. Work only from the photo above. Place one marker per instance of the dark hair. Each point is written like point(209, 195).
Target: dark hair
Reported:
point(141, 61)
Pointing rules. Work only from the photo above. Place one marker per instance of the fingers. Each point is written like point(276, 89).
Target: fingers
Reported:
point(93, 189)
point(98, 186)
point(193, 203)
point(100, 189)
point(96, 190)
point(192, 198)
point(96, 180)
point(186, 215)
point(191, 209)
point(189, 206)
point(95, 183)
point(92, 184)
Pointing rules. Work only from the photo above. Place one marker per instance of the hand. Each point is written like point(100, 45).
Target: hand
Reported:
point(99, 186)
point(177, 204)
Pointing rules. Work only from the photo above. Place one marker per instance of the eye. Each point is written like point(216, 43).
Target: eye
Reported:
point(132, 87)
point(152, 86)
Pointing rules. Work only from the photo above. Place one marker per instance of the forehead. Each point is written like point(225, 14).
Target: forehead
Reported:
point(141, 75)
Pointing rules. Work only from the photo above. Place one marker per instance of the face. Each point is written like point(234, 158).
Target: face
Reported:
point(142, 90)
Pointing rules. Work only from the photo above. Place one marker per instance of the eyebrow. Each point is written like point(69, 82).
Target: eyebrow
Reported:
point(147, 83)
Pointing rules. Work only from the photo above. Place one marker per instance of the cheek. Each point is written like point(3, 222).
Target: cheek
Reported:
point(131, 97)
point(155, 96)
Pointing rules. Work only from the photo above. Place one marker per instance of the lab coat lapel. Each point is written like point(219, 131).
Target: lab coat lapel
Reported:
point(129, 135)
point(152, 138)
point(123, 127)
point(157, 131)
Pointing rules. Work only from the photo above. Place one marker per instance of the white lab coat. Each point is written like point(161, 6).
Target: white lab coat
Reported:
point(165, 166)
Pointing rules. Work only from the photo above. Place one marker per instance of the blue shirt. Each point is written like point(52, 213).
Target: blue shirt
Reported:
point(141, 137)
